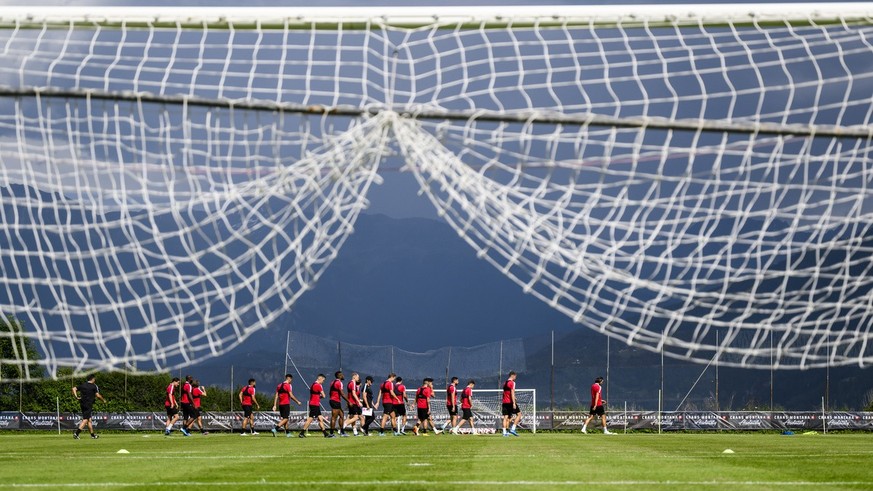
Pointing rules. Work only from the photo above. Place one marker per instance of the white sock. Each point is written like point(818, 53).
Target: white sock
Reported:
point(513, 428)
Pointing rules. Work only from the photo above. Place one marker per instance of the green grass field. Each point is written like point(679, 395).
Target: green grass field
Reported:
point(541, 461)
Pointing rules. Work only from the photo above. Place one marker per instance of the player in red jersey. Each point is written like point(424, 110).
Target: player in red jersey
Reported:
point(186, 402)
point(353, 398)
point(197, 392)
point(597, 404)
point(466, 408)
point(510, 406)
point(316, 392)
point(172, 407)
point(452, 404)
point(422, 406)
point(386, 397)
point(336, 403)
point(400, 400)
point(247, 399)
point(283, 398)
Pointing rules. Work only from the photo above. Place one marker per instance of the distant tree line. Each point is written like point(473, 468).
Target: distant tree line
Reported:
point(124, 392)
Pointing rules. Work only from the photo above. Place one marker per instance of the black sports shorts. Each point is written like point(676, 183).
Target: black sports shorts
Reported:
point(453, 410)
point(247, 411)
point(354, 410)
point(387, 408)
point(597, 411)
point(467, 413)
point(510, 409)
point(423, 414)
point(284, 410)
point(336, 405)
point(314, 411)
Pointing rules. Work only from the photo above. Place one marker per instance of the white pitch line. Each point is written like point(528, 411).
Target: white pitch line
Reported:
point(433, 484)
point(137, 455)
point(205, 455)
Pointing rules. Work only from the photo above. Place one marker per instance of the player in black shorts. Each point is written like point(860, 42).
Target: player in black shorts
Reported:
point(283, 399)
point(172, 407)
point(386, 397)
point(353, 398)
point(597, 409)
point(186, 400)
point(452, 404)
point(509, 408)
point(86, 393)
point(400, 405)
point(197, 393)
point(466, 408)
point(422, 404)
point(336, 397)
point(316, 392)
point(247, 399)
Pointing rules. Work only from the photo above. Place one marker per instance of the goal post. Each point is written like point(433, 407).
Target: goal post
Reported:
point(690, 179)
point(487, 408)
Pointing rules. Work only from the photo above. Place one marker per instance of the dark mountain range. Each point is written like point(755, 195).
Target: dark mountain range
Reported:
point(414, 284)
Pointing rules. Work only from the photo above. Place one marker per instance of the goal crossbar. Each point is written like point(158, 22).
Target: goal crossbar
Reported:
point(419, 17)
point(526, 117)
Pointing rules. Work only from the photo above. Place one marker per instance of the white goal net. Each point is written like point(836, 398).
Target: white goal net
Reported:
point(696, 183)
point(487, 408)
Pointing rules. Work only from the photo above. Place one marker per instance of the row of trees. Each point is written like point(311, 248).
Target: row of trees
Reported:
point(124, 392)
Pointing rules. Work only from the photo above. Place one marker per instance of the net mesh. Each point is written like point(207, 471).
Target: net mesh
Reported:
point(691, 185)
point(487, 408)
point(310, 354)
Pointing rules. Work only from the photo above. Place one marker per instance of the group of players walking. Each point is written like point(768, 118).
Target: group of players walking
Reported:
point(392, 395)
point(360, 406)
point(189, 402)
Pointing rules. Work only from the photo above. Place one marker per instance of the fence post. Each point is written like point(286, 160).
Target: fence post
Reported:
point(659, 411)
point(824, 420)
point(500, 365)
point(552, 379)
point(448, 364)
point(287, 340)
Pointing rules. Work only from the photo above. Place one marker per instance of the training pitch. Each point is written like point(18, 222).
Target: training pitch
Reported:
point(541, 461)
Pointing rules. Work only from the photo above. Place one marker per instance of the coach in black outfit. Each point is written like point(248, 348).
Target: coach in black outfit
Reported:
point(86, 393)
